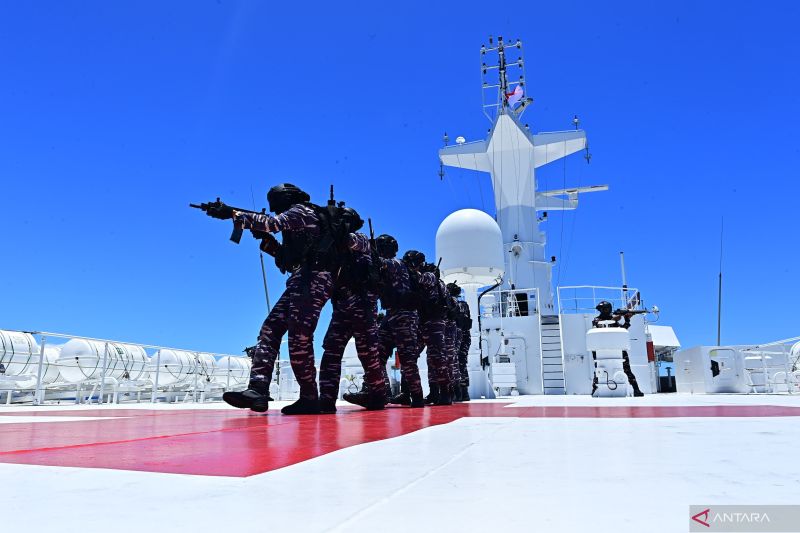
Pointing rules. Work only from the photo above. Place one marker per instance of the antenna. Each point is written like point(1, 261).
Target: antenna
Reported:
point(624, 279)
point(719, 294)
point(499, 94)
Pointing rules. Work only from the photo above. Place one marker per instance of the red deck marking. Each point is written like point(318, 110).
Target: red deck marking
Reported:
point(228, 442)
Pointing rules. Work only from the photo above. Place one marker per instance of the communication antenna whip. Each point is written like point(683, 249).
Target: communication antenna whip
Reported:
point(719, 293)
point(261, 257)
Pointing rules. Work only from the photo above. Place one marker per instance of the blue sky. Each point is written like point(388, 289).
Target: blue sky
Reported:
point(115, 115)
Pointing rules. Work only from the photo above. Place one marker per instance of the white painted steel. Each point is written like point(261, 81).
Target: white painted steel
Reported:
point(608, 345)
point(470, 244)
point(608, 341)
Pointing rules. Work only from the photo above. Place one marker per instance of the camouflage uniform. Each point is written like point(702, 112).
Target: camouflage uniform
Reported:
point(399, 329)
point(451, 340)
point(432, 327)
point(354, 315)
point(297, 311)
point(466, 341)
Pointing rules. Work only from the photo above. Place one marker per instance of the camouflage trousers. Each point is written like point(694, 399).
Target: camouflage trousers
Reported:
point(296, 312)
point(433, 338)
point(452, 339)
point(356, 317)
point(463, 354)
point(399, 329)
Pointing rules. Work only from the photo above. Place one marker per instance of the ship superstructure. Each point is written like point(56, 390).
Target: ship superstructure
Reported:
point(531, 339)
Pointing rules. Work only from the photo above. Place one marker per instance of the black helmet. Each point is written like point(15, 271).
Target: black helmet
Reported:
point(386, 245)
point(454, 290)
point(414, 259)
point(428, 267)
point(352, 219)
point(282, 197)
point(605, 308)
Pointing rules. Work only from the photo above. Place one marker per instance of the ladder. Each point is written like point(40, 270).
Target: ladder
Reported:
point(553, 381)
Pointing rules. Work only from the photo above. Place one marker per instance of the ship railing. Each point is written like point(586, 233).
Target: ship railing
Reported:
point(105, 388)
point(511, 303)
point(582, 299)
point(773, 367)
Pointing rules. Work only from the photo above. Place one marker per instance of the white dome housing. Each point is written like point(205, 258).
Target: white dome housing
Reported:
point(471, 247)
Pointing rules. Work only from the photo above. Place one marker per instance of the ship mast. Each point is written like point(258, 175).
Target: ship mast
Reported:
point(510, 154)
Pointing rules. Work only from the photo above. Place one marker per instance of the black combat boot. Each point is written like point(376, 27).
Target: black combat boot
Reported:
point(464, 393)
point(327, 406)
point(433, 397)
point(637, 393)
point(444, 397)
point(455, 393)
point(401, 399)
point(255, 398)
point(303, 406)
point(417, 400)
point(371, 401)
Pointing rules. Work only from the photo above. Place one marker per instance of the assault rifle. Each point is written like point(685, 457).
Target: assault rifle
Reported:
point(224, 212)
point(623, 312)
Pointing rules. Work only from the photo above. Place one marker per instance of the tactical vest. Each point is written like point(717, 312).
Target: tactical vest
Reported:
point(393, 297)
point(431, 305)
point(321, 252)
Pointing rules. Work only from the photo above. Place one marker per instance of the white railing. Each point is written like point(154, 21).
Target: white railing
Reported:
point(202, 375)
point(508, 304)
point(773, 367)
point(584, 298)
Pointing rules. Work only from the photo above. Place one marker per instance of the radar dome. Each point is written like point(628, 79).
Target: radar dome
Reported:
point(471, 247)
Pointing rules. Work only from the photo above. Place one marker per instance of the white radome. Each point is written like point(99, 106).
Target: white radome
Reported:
point(470, 244)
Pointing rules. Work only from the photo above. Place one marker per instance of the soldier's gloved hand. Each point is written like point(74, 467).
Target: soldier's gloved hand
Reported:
point(258, 234)
point(220, 211)
point(270, 245)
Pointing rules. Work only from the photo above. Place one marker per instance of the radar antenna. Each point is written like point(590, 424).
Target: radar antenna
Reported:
point(499, 95)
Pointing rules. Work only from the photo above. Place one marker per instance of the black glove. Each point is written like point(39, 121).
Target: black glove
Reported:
point(220, 211)
point(270, 245)
point(258, 234)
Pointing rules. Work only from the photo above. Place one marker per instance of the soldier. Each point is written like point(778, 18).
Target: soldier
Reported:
point(465, 326)
point(354, 315)
point(297, 311)
point(453, 340)
point(432, 293)
point(607, 319)
point(399, 328)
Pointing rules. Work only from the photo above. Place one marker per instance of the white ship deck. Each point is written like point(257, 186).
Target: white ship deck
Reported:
point(566, 463)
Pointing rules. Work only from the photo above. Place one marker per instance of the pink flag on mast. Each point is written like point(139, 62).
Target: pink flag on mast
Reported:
point(515, 97)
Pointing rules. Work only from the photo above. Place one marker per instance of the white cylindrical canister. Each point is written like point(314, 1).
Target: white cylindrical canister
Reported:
point(19, 353)
point(206, 367)
point(174, 367)
point(82, 360)
point(235, 370)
